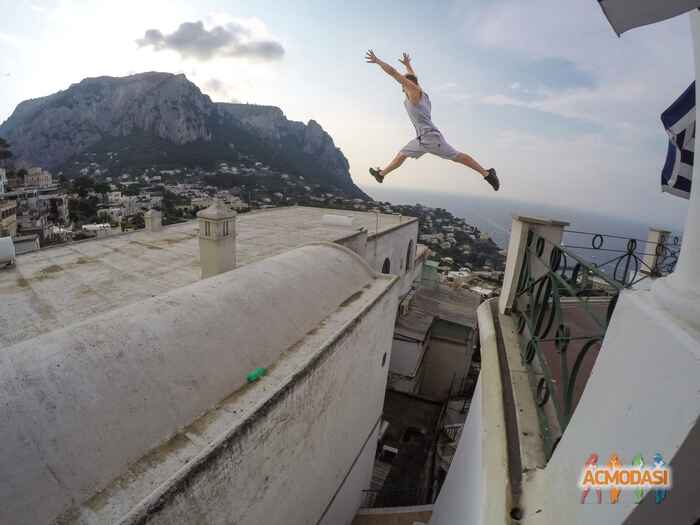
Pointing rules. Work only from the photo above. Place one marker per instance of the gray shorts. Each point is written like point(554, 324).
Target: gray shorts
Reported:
point(432, 142)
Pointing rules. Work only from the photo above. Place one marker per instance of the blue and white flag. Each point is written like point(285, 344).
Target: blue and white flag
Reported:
point(679, 121)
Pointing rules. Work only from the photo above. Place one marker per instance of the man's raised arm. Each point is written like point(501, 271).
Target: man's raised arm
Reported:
point(371, 58)
point(406, 61)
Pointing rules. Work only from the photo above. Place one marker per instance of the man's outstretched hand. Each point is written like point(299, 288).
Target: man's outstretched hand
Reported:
point(371, 58)
point(406, 60)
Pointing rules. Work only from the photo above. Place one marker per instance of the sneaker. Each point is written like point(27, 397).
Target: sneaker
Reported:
point(375, 172)
point(492, 179)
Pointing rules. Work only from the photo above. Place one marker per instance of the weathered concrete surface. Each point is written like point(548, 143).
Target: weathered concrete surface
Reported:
point(83, 403)
point(59, 286)
point(280, 451)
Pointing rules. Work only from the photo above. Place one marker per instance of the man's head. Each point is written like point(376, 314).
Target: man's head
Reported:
point(413, 79)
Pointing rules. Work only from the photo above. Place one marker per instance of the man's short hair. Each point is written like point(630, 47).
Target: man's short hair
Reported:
point(412, 78)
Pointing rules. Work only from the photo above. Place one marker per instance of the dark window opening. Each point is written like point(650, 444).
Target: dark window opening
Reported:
point(386, 267)
point(409, 254)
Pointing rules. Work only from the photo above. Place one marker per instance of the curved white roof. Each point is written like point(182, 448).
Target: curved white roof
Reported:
point(82, 403)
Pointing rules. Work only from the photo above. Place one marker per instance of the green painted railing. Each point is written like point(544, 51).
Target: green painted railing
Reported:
point(563, 306)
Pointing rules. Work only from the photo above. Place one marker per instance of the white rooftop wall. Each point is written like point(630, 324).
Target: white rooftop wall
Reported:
point(83, 402)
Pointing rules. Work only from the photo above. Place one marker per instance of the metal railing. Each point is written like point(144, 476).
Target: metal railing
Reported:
point(625, 257)
point(560, 321)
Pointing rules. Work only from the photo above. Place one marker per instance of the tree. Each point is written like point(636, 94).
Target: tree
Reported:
point(102, 187)
point(5, 152)
point(83, 210)
point(82, 185)
point(104, 217)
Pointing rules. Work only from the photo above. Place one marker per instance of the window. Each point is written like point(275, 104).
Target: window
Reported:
point(386, 267)
point(409, 255)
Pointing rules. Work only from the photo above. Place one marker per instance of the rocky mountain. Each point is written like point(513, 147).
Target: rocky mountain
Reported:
point(161, 119)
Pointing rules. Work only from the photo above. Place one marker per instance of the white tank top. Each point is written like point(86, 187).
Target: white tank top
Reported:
point(420, 114)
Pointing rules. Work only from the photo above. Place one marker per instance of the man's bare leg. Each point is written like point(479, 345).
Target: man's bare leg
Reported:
point(379, 174)
point(468, 161)
point(488, 175)
point(395, 163)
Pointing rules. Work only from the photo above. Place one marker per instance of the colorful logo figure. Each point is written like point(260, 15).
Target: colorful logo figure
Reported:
point(638, 461)
point(614, 463)
point(592, 461)
point(659, 494)
point(615, 478)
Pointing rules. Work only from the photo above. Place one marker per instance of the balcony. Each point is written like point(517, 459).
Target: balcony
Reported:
point(568, 353)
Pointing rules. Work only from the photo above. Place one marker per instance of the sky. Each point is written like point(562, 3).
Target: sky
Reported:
point(543, 90)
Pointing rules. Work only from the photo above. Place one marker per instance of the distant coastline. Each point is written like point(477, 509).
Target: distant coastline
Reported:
point(493, 216)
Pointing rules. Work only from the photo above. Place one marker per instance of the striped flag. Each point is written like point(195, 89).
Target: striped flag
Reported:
point(679, 121)
point(628, 14)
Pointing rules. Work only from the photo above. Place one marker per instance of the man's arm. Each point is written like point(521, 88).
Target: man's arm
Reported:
point(410, 87)
point(406, 61)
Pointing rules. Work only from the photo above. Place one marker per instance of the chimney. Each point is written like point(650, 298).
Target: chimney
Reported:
point(153, 220)
point(217, 239)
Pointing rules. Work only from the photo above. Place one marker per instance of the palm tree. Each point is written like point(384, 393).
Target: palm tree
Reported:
point(5, 152)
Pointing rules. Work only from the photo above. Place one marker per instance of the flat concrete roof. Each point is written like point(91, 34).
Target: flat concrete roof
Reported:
point(62, 285)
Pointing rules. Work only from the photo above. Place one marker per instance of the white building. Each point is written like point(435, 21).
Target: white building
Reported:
point(3, 181)
point(151, 418)
point(37, 177)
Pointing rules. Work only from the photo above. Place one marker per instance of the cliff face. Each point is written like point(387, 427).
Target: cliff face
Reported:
point(49, 131)
point(166, 109)
point(270, 124)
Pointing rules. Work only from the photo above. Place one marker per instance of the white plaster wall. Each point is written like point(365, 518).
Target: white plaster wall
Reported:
point(357, 243)
point(349, 497)
point(460, 501)
point(82, 403)
point(643, 396)
point(289, 462)
point(394, 245)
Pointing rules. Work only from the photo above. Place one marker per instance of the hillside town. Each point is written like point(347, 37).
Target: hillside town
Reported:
point(38, 209)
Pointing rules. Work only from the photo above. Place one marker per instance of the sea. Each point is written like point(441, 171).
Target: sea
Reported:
point(494, 216)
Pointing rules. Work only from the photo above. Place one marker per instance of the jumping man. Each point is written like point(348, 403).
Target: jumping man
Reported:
point(428, 137)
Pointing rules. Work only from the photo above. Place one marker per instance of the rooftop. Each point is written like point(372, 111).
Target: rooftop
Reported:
point(456, 305)
point(66, 284)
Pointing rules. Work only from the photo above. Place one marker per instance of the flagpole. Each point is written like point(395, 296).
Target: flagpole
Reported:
point(680, 292)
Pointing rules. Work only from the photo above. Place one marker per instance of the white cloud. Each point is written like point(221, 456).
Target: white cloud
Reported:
point(634, 77)
point(234, 39)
